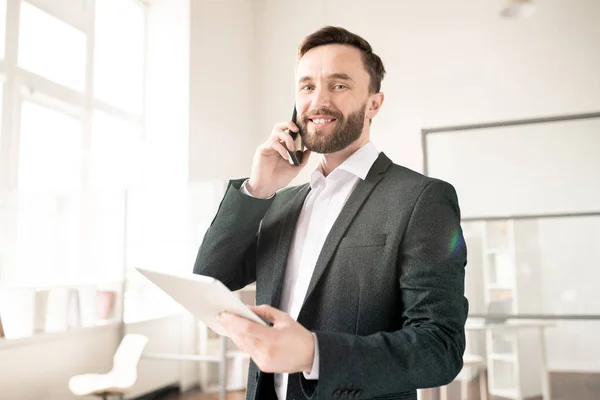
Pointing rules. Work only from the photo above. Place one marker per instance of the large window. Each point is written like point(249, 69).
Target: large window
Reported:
point(71, 100)
point(50, 150)
point(119, 54)
point(51, 48)
point(116, 151)
point(2, 26)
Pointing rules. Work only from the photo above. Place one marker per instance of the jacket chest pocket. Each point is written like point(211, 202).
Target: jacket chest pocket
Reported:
point(360, 256)
point(374, 240)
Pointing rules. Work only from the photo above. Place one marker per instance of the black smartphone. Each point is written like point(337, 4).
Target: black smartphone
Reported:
point(298, 150)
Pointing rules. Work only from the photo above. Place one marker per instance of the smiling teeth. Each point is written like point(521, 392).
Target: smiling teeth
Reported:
point(321, 121)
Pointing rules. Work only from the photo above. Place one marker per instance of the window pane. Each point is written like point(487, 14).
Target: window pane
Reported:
point(49, 149)
point(49, 224)
point(101, 236)
point(51, 47)
point(119, 53)
point(115, 151)
point(1, 105)
point(2, 26)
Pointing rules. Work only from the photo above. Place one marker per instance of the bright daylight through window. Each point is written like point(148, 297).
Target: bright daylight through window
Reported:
point(71, 93)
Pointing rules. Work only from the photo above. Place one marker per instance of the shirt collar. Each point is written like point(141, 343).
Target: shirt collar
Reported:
point(358, 164)
point(361, 161)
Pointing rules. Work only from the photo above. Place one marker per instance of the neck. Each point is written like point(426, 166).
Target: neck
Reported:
point(331, 161)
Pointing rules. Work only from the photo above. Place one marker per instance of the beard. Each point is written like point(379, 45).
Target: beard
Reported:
point(346, 130)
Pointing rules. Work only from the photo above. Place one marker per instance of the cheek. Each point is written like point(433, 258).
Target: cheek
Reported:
point(302, 105)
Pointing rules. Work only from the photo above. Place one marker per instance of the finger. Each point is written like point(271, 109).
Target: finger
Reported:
point(242, 327)
point(248, 344)
point(269, 313)
point(282, 126)
point(286, 138)
point(280, 148)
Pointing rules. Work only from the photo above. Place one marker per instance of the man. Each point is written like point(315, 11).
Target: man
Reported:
point(360, 272)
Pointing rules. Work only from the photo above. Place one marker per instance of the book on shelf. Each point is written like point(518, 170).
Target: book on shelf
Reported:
point(88, 305)
point(57, 310)
point(106, 304)
point(74, 309)
point(40, 309)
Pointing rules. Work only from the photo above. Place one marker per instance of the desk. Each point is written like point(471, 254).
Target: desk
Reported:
point(513, 327)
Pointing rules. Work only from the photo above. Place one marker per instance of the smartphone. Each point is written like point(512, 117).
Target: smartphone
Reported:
point(298, 150)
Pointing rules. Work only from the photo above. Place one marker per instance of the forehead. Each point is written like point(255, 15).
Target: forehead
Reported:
point(330, 59)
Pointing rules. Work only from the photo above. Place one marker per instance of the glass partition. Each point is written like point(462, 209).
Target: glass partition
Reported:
point(531, 219)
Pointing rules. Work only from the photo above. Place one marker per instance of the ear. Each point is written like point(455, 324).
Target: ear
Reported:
point(374, 104)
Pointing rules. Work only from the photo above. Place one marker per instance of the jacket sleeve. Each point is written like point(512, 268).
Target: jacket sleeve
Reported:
point(228, 250)
point(427, 351)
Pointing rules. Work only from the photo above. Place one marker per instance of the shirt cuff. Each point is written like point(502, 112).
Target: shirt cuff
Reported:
point(247, 193)
point(314, 373)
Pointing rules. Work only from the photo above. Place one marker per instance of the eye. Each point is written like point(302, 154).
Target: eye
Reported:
point(340, 87)
point(306, 88)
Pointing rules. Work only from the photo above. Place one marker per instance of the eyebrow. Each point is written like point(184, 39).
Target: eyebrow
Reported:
point(338, 75)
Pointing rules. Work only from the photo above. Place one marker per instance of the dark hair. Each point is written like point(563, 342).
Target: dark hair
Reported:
point(337, 35)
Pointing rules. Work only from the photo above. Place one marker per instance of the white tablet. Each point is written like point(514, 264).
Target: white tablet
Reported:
point(203, 296)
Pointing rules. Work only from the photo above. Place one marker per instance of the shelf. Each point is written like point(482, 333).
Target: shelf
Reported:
point(66, 334)
point(505, 245)
point(503, 357)
point(507, 393)
point(498, 286)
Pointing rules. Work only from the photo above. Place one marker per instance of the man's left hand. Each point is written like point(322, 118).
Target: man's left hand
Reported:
point(285, 347)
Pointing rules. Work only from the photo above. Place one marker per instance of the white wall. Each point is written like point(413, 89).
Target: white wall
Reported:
point(222, 91)
point(167, 94)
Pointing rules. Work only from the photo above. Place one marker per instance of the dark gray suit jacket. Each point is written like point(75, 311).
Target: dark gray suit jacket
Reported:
point(386, 297)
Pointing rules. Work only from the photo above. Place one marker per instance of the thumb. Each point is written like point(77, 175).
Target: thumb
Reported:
point(269, 313)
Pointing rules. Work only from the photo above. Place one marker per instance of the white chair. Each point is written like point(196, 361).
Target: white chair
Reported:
point(121, 377)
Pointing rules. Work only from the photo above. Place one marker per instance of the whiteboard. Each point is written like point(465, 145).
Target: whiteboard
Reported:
point(542, 168)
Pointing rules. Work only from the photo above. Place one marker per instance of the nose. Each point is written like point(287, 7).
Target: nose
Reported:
point(321, 98)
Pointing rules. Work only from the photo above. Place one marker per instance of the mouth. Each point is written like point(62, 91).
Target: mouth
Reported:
point(322, 121)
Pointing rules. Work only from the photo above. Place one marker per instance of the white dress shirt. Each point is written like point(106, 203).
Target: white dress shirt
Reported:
point(323, 204)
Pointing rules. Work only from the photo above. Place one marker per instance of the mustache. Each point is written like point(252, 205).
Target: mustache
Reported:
point(322, 111)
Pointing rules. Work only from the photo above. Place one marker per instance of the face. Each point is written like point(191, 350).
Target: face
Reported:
point(333, 99)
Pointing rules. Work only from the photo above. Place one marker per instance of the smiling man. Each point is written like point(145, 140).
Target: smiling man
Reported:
point(361, 270)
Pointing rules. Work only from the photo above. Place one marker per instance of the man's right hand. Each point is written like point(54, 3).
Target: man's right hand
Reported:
point(271, 168)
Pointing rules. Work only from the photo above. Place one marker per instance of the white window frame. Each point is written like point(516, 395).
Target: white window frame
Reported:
point(23, 85)
point(20, 85)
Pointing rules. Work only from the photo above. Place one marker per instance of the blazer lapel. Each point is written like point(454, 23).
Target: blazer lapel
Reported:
point(285, 242)
point(349, 211)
